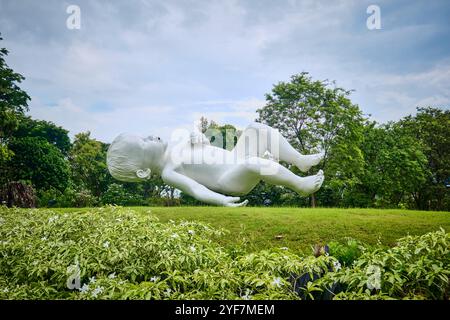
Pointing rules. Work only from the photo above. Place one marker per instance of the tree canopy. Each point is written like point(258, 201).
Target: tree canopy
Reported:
point(13, 103)
point(318, 116)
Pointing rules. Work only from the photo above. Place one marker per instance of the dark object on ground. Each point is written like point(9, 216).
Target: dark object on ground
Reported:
point(300, 282)
point(18, 194)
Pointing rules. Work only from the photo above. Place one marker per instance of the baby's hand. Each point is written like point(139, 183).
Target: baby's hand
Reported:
point(232, 202)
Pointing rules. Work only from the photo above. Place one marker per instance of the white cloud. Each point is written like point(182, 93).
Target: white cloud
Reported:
point(143, 120)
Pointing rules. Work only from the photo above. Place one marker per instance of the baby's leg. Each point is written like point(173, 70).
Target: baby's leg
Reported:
point(243, 177)
point(258, 139)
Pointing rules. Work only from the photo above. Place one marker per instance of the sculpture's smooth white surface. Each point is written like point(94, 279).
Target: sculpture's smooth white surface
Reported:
point(212, 174)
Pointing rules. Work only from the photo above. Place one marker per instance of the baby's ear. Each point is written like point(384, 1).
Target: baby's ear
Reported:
point(144, 174)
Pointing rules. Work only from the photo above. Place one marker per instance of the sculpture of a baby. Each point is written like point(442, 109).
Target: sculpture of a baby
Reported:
point(212, 174)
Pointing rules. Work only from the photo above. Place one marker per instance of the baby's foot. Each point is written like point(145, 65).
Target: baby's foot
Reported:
point(305, 162)
point(311, 184)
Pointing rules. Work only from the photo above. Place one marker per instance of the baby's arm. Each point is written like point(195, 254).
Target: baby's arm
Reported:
point(198, 191)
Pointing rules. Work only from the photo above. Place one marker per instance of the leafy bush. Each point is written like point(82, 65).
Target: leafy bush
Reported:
point(71, 197)
point(123, 255)
point(117, 195)
point(417, 268)
point(346, 252)
point(115, 253)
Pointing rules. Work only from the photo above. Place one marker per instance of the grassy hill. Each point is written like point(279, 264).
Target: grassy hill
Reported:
point(299, 228)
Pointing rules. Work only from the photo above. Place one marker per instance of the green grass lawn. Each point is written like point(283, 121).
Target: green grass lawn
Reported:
point(300, 228)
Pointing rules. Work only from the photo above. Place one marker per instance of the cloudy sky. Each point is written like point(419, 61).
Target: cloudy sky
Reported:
point(152, 66)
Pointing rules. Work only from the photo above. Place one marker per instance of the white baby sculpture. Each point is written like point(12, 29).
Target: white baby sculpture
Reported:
point(209, 173)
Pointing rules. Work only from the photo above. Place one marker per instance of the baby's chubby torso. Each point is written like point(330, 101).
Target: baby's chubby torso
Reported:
point(201, 162)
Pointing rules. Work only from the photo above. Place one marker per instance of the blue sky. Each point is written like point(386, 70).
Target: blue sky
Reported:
point(152, 66)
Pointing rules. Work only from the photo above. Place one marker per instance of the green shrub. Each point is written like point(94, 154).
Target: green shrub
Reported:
point(346, 252)
point(116, 253)
point(71, 197)
point(418, 267)
point(117, 195)
point(131, 256)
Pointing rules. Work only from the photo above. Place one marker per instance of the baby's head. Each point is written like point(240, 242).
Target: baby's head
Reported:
point(132, 158)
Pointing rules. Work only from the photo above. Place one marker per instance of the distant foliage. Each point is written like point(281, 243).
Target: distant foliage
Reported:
point(431, 127)
point(118, 195)
point(13, 104)
point(46, 130)
point(88, 163)
point(38, 161)
point(115, 253)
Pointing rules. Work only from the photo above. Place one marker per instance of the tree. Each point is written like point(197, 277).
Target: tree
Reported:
point(38, 161)
point(318, 116)
point(394, 168)
point(223, 136)
point(13, 103)
point(88, 162)
point(203, 124)
point(54, 134)
point(431, 126)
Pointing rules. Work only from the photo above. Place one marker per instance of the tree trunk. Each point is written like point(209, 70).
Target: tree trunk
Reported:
point(313, 200)
point(18, 194)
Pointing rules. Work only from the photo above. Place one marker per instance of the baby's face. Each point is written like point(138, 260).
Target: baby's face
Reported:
point(154, 145)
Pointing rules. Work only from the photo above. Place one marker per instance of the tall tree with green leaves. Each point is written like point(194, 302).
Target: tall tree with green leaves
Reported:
point(395, 167)
point(319, 116)
point(47, 130)
point(88, 161)
point(431, 126)
point(13, 103)
point(38, 161)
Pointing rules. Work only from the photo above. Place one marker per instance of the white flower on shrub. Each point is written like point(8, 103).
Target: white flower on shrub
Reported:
point(374, 277)
point(284, 248)
point(277, 282)
point(53, 218)
point(192, 248)
point(167, 292)
point(44, 238)
point(174, 236)
point(154, 279)
point(92, 280)
point(191, 232)
point(84, 288)
point(96, 292)
point(337, 265)
point(106, 244)
point(6, 290)
point(112, 275)
point(247, 295)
